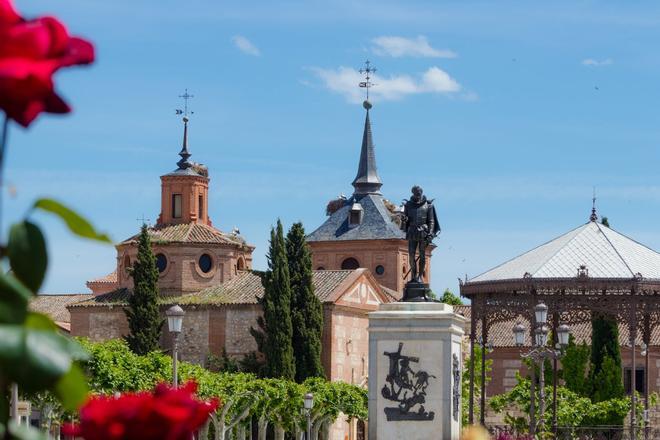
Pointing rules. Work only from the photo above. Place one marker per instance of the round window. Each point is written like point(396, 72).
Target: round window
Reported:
point(161, 262)
point(206, 263)
point(380, 270)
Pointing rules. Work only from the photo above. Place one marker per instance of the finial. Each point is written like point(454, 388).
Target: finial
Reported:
point(185, 155)
point(367, 70)
point(593, 217)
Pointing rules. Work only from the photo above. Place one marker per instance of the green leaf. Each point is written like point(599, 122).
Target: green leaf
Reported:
point(35, 359)
point(76, 223)
point(39, 321)
point(14, 298)
point(27, 254)
point(72, 389)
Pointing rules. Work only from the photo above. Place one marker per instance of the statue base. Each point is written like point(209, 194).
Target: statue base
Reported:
point(416, 292)
point(415, 365)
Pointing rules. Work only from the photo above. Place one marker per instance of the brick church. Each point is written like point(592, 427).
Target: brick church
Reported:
point(359, 255)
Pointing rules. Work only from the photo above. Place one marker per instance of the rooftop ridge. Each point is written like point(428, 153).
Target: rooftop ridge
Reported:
point(615, 249)
point(529, 251)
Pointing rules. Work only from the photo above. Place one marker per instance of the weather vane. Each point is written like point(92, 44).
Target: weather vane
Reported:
point(186, 96)
point(367, 70)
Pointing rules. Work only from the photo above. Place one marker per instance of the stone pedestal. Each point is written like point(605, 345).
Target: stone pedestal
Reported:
point(415, 365)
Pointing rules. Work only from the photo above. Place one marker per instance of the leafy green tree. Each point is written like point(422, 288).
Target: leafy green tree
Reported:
point(306, 309)
point(605, 222)
point(449, 298)
point(575, 367)
point(573, 410)
point(142, 313)
point(605, 344)
point(275, 331)
point(609, 387)
point(272, 404)
point(222, 363)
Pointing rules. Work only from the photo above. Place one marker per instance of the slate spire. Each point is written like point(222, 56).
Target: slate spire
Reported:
point(367, 180)
point(185, 155)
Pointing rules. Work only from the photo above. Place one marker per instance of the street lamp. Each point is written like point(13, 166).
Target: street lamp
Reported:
point(308, 403)
point(541, 313)
point(539, 353)
point(175, 323)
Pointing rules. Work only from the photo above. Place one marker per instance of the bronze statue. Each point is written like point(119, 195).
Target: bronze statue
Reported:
point(420, 222)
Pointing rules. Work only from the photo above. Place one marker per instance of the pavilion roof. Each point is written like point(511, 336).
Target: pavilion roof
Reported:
point(604, 252)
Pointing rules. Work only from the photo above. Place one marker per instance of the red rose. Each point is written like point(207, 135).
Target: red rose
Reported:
point(31, 51)
point(165, 414)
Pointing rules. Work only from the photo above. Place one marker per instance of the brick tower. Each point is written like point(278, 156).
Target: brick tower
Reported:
point(191, 254)
point(363, 230)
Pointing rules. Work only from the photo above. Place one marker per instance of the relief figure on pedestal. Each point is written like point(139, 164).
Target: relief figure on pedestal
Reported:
point(407, 387)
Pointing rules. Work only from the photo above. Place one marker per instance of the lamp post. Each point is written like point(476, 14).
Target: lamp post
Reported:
point(175, 323)
point(308, 402)
point(539, 353)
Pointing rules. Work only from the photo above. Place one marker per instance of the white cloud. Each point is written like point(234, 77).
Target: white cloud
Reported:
point(345, 80)
point(245, 45)
point(413, 47)
point(590, 62)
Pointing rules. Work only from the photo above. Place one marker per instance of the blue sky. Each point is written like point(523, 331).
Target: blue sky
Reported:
point(512, 111)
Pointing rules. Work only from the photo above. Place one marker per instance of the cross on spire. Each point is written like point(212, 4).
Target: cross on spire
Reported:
point(143, 220)
point(367, 71)
point(186, 96)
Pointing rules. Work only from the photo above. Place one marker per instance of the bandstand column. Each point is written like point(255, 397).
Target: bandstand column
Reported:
point(484, 336)
point(473, 330)
point(633, 373)
point(555, 341)
point(647, 341)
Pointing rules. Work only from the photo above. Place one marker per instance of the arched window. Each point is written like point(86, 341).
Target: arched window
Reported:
point(350, 264)
point(240, 264)
point(127, 263)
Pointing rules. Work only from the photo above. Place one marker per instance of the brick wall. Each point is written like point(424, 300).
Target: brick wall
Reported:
point(349, 346)
point(238, 339)
point(391, 254)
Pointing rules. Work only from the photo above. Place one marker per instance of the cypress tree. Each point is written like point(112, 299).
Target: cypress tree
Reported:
point(274, 338)
point(575, 367)
point(605, 345)
point(306, 309)
point(143, 315)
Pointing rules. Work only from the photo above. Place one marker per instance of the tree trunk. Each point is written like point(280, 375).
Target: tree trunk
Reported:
point(203, 433)
point(279, 432)
point(240, 434)
point(262, 428)
point(325, 428)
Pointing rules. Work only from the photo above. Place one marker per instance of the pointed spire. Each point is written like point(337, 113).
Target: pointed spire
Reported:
point(367, 180)
point(593, 217)
point(183, 163)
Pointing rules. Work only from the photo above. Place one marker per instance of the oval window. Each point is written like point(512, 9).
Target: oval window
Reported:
point(161, 262)
point(350, 264)
point(205, 263)
point(380, 270)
